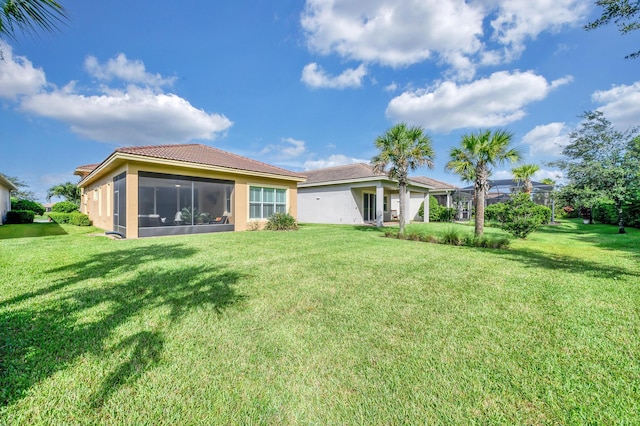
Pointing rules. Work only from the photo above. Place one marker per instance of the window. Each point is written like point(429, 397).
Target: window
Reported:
point(264, 202)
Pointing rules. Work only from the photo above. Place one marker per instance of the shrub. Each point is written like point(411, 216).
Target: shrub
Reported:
point(521, 227)
point(281, 222)
point(495, 212)
point(453, 237)
point(79, 219)
point(73, 218)
point(35, 207)
point(64, 207)
point(58, 217)
point(521, 216)
point(20, 216)
point(437, 213)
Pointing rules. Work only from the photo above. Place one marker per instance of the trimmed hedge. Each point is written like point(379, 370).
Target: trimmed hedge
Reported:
point(64, 207)
point(73, 218)
point(20, 216)
point(35, 207)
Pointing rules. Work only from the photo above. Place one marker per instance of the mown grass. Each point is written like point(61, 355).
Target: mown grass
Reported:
point(325, 325)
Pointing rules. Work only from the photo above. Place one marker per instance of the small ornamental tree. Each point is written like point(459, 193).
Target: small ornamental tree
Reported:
point(521, 216)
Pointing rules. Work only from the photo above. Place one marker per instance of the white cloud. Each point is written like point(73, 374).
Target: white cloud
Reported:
point(391, 87)
point(138, 114)
point(497, 100)
point(548, 139)
point(288, 148)
point(314, 76)
point(537, 177)
point(132, 117)
point(399, 33)
point(130, 71)
point(620, 105)
point(519, 20)
point(17, 75)
point(542, 174)
point(331, 161)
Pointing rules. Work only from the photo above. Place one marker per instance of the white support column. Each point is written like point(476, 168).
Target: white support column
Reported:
point(448, 199)
point(425, 218)
point(379, 205)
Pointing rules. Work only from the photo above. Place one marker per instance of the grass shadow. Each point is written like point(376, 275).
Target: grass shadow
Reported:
point(542, 260)
point(85, 309)
point(30, 230)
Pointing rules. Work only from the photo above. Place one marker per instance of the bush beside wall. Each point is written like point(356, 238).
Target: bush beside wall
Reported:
point(20, 216)
point(73, 218)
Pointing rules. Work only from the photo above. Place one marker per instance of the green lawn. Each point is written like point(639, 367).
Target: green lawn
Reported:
point(326, 325)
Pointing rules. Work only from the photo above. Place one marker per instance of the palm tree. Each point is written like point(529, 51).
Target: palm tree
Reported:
point(402, 149)
point(29, 15)
point(524, 174)
point(68, 190)
point(476, 153)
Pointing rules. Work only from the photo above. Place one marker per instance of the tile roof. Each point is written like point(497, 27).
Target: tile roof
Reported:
point(363, 171)
point(205, 155)
point(86, 169)
point(341, 173)
point(436, 184)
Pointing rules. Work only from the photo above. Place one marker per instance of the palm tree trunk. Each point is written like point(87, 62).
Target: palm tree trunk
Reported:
point(402, 189)
point(480, 191)
point(479, 229)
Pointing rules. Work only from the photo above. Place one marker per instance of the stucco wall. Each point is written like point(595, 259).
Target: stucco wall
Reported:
point(335, 204)
point(416, 200)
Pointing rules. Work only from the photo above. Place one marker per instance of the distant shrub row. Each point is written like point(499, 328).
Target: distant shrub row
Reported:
point(73, 218)
point(452, 237)
point(64, 207)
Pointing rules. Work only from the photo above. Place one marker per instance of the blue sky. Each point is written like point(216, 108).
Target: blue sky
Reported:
point(304, 85)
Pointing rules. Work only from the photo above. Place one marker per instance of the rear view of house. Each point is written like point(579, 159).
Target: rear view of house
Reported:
point(183, 189)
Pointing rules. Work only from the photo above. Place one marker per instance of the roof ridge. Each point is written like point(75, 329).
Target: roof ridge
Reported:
point(359, 163)
point(138, 147)
point(244, 158)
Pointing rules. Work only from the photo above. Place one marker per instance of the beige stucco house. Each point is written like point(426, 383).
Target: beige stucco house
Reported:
point(5, 197)
point(183, 189)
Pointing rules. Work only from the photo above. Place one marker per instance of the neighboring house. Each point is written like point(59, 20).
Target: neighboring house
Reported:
point(442, 191)
point(183, 189)
point(5, 197)
point(355, 194)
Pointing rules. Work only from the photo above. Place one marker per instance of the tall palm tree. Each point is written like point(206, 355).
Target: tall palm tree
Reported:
point(29, 15)
point(68, 190)
point(524, 174)
point(402, 149)
point(477, 152)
